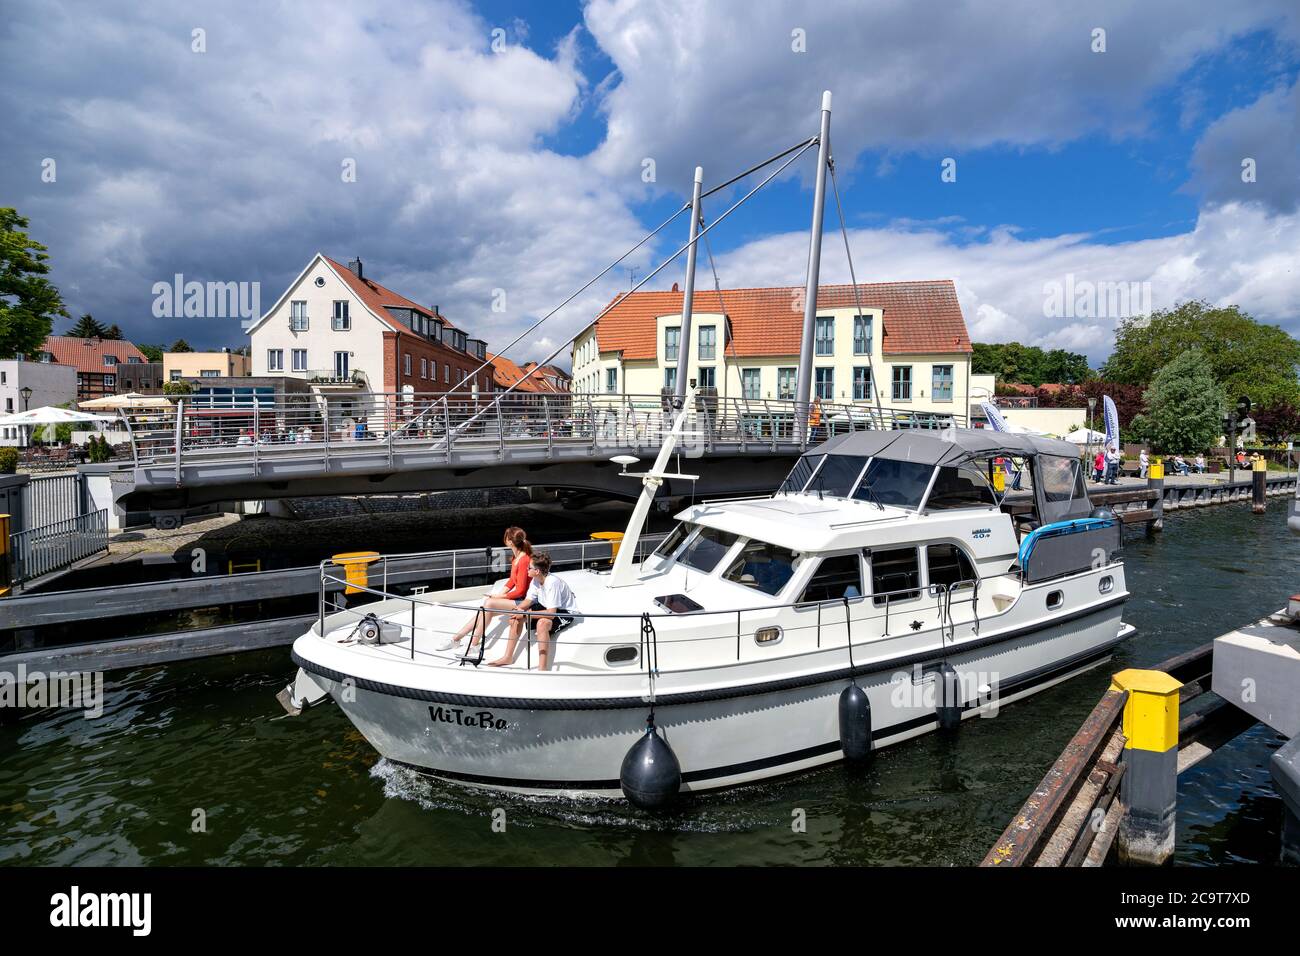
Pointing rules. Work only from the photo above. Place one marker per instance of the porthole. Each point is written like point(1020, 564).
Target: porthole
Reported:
point(320, 282)
point(1106, 584)
point(623, 654)
point(1055, 599)
point(767, 635)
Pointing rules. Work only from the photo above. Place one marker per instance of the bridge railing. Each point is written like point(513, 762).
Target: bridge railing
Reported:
point(318, 425)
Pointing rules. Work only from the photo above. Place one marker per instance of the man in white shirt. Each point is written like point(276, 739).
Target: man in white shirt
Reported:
point(547, 593)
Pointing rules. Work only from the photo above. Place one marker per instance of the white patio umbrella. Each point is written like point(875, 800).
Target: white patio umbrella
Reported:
point(50, 415)
point(131, 400)
point(1086, 436)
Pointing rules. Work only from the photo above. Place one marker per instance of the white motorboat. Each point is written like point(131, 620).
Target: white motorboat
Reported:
point(887, 589)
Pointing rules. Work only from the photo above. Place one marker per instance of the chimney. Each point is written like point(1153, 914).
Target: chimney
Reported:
point(435, 311)
point(354, 266)
point(675, 289)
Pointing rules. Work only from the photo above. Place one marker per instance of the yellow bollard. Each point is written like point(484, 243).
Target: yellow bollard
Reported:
point(1260, 464)
point(355, 566)
point(999, 480)
point(1149, 789)
point(1156, 469)
point(615, 538)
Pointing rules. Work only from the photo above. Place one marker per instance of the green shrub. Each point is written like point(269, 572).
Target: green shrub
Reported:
point(8, 461)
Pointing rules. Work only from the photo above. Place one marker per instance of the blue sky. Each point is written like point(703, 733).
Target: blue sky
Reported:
point(517, 166)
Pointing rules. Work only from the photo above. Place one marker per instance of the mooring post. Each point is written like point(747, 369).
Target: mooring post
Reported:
point(1149, 789)
point(1156, 483)
point(1258, 485)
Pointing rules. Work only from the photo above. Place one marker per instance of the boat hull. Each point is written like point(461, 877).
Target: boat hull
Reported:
point(721, 739)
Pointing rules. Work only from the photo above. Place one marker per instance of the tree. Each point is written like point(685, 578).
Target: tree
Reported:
point(87, 328)
point(1127, 399)
point(1029, 365)
point(1277, 422)
point(28, 302)
point(1246, 357)
point(1185, 405)
point(113, 333)
point(180, 345)
point(154, 353)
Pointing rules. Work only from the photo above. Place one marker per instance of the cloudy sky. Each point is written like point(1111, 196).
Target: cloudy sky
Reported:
point(505, 146)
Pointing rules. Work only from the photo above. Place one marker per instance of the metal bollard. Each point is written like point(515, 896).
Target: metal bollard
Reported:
point(1258, 484)
point(1156, 483)
point(1149, 790)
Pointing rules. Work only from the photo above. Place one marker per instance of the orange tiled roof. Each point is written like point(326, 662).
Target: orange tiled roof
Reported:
point(506, 373)
point(376, 297)
point(88, 354)
point(917, 317)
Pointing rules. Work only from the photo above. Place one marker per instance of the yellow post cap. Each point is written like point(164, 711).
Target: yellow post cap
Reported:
point(1151, 711)
point(1156, 469)
point(615, 538)
point(354, 564)
point(1261, 464)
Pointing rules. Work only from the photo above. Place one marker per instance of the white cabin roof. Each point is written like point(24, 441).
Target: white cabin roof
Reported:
point(800, 522)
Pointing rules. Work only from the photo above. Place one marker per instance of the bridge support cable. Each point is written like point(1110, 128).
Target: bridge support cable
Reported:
point(857, 299)
point(654, 272)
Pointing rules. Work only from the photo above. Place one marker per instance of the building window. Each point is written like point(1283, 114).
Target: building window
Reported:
point(670, 379)
point(406, 364)
point(298, 316)
point(611, 380)
point(132, 360)
point(342, 321)
point(341, 366)
point(300, 360)
point(824, 335)
point(110, 360)
point(902, 383)
point(749, 383)
point(110, 381)
point(825, 382)
point(175, 375)
point(862, 384)
point(708, 378)
point(785, 379)
point(9, 406)
point(209, 373)
point(941, 387)
point(275, 360)
point(862, 335)
point(424, 368)
point(672, 338)
point(446, 374)
point(708, 343)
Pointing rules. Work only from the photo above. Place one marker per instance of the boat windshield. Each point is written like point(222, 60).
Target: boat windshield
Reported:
point(837, 475)
point(762, 566)
point(674, 540)
point(706, 549)
point(889, 482)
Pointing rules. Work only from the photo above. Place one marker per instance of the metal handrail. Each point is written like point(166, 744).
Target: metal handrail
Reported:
point(379, 423)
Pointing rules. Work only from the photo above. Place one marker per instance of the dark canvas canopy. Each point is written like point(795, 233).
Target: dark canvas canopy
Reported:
point(950, 447)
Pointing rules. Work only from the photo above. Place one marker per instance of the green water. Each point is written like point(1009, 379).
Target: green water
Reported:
point(208, 740)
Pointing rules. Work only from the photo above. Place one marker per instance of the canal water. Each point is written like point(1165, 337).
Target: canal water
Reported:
point(194, 764)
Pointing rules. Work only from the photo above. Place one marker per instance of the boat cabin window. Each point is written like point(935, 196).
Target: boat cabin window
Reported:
point(706, 549)
point(762, 566)
point(836, 577)
point(802, 471)
point(1062, 480)
point(895, 570)
point(890, 482)
point(674, 540)
point(963, 487)
point(947, 565)
point(837, 475)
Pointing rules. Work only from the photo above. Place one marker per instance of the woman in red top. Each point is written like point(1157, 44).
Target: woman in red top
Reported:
point(515, 589)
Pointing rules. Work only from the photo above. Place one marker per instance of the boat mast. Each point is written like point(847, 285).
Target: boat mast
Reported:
point(804, 385)
point(621, 575)
point(688, 293)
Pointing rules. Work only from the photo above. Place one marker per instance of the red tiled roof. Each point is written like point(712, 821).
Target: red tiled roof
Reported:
point(376, 297)
point(506, 373)
point(88, 354)
point(917, 317)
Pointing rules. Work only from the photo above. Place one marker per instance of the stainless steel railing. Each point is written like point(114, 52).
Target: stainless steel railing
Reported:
point(319, 425)
point(58, 544)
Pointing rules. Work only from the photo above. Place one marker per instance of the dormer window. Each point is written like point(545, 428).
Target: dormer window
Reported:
point(110, 360)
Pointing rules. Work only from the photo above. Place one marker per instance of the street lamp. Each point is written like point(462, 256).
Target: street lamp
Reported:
point(26, 393)
point(1092, 405)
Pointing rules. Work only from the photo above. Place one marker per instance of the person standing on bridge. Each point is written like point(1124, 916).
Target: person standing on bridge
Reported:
point(516, 588)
